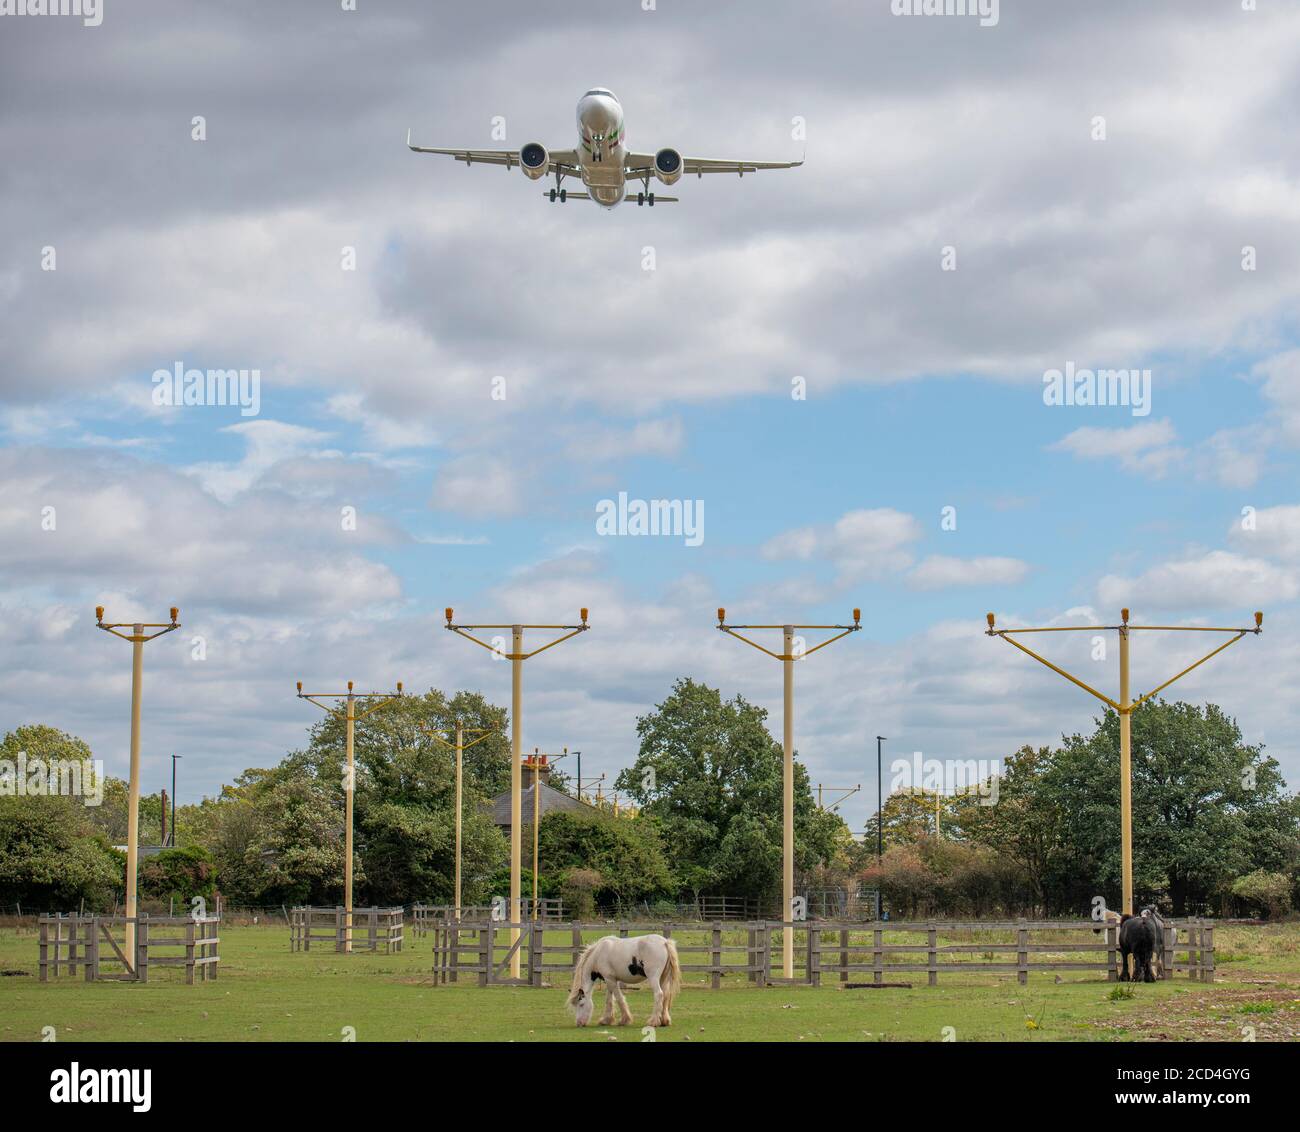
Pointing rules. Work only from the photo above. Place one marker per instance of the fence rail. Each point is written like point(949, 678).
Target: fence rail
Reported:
point(825, 951)
point(89, 942)
point(364, 929)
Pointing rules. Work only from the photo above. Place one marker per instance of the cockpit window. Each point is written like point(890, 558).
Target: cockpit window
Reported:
point(600, 90)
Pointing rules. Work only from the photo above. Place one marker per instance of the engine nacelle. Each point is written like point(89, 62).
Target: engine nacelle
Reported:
point(534, 160)
point(668, 166)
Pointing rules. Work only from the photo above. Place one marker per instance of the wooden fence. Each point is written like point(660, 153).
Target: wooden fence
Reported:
point(372, 929)
point(847, 953)
point(90, 942)
point(425, 916)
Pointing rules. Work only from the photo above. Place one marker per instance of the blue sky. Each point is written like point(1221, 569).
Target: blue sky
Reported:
point(924, 387)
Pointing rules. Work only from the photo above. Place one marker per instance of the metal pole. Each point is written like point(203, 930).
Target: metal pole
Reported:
point(349, 783)
point(516, 782)
point(1126, 766)
point(787, 807)
point(880, 820)
point(174, 758)
point(133, 800)
point(460, 749)
point(536, 822)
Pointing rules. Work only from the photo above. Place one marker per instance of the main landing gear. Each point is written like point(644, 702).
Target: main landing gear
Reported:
point(563, 194)
point(645, 198)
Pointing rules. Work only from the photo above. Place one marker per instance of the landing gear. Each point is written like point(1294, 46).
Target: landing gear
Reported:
point(645, 198)
point(563, 194)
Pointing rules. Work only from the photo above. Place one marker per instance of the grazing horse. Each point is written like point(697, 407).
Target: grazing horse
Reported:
point(1143, 938)
point(639, 959)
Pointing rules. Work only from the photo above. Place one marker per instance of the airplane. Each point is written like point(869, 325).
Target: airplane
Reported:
point(602, 162)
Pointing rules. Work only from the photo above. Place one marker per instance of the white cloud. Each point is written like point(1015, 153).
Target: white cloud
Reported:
point(477, 486)
point(940, 571)
point(1218, 579)
point(1148, 448)
point(861, 544)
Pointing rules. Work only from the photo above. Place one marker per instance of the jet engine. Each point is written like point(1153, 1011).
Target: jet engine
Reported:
point(668, 166)
point(534, 160)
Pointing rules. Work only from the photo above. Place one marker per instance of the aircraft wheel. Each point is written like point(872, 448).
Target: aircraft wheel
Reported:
point(564, 195)
point(651, 200)
point(552, 196)
point(640, 199)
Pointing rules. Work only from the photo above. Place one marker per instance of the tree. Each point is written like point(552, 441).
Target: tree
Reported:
point(710, 776)
point(626, 852)
point(51, 859)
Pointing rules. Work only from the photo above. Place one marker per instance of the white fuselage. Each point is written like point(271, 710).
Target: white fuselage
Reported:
point(602, 146)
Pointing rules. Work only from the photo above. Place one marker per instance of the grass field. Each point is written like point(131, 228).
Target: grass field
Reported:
point(266, 993)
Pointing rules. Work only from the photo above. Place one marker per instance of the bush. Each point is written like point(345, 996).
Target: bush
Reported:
point(579, 888)
point(1264, 893)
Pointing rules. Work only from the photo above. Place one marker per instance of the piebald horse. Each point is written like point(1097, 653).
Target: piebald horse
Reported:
point(648, 959)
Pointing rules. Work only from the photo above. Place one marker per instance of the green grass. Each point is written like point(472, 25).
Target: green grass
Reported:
point(267, 993)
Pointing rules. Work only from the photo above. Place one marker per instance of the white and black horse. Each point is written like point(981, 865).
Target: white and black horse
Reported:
point(614, 961)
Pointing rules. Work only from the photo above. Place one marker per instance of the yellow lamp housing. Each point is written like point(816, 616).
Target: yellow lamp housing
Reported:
point(722, 616)
point(99, 615)
point(448, 611)
point(175, 612)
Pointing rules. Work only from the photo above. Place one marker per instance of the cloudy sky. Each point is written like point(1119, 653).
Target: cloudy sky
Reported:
point(843, 364)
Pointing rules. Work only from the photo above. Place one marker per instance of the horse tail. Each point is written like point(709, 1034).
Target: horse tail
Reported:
point(670, 981)
point(585, 960)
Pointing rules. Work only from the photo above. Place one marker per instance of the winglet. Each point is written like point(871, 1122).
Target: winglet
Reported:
point(408, 137)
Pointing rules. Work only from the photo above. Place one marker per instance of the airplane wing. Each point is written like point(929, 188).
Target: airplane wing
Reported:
point(639, 164)
point(563, 160)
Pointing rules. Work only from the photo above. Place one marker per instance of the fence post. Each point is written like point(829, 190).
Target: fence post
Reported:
point(486, 952)
point(877, 956)
point(715, 956)
point(1207, 956)
point(1112, 945)
point(844, 955)
point(932, 958)
point(751, 959)
point(1022, 953)
point(189, 952)
point(1168, 937)
point(141, 957)
point(91, 924)
point(813, 966)
point(45, 943)
point(536, 935)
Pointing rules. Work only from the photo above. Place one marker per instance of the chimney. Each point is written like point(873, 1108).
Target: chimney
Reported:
point(536, 766)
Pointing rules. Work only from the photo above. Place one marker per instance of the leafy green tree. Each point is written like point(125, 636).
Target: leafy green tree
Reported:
point(710, 776)
point(1207, 807)
point(179, 875)
point(626, 852)
point(50, 857)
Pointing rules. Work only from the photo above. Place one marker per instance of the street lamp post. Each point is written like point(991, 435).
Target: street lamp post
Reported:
point(1125, 707)
point(139, 635)
point(460, 748)
point(787, 657)
point(349, 778)
point(880, 820)
point(173, 826)
point(516, 656)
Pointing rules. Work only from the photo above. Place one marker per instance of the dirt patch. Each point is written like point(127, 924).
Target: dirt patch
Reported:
point(1262, 1012)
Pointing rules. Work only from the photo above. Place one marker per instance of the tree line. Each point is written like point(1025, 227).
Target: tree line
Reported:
point(1214, 828)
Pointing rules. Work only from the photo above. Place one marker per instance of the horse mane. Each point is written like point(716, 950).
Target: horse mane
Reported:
point(579, 970)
